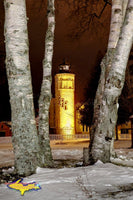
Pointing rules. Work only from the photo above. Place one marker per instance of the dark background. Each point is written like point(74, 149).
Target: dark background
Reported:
point(81, 36)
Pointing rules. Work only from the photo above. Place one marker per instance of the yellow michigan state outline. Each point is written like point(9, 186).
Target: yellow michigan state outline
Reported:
point(23, 187)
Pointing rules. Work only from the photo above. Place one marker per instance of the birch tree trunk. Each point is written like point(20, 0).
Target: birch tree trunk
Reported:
point(110, 85)
point(25, 140)
point(45, 97)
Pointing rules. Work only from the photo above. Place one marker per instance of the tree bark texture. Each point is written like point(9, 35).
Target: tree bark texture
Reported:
point(25, 140)
point(45, 97)
point(116, 23)
point(115, 27)
point(124, 7)
point(109, 89)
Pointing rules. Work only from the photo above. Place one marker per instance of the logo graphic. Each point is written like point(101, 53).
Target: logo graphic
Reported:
point(23, 187)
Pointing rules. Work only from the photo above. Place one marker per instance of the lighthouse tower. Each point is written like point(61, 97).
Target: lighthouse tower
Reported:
point(64, 102)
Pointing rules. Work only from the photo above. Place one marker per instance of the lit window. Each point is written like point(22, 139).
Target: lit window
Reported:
point(124, 131)
point(62, 104)
point(66, 105)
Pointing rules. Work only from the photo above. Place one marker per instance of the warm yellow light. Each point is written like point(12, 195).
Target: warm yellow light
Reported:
point(64, 95)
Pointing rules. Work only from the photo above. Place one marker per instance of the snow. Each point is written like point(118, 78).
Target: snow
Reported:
point(95, 182)
point(91, 182)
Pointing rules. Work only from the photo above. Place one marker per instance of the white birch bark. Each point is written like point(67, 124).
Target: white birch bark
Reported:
point(116, 23)
point(110, 86)
point(115, 27)
point(25, 140)
point(45, 97)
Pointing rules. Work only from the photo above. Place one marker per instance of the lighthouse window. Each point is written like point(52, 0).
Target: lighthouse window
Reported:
point(65, 85)
point(66, 105)
point(62, 105)
point(70, 85)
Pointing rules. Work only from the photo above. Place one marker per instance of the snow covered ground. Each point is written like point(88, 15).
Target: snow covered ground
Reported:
point(101, 181)
point(96, 182)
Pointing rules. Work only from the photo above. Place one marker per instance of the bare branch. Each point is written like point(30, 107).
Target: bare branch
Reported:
point(83, 14)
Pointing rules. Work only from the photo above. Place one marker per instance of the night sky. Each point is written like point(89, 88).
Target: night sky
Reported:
point(81, 36)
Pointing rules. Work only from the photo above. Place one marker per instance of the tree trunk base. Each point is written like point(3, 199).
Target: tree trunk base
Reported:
point(85, 156)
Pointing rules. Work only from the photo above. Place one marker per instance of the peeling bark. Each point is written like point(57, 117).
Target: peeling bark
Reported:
point(110, 86)
point(25, 140)
point(45, 97)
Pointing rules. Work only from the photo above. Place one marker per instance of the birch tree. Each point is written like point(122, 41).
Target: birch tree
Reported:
point(45, 97)
point(111, 82)
point(25, 140)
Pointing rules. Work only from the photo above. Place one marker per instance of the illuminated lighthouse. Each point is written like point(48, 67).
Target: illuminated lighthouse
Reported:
point(64, 101)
